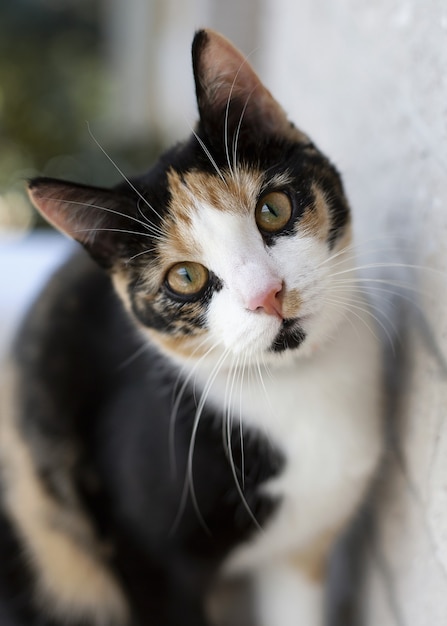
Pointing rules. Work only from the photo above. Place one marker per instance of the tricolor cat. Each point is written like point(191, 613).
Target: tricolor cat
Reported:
point(198, 396)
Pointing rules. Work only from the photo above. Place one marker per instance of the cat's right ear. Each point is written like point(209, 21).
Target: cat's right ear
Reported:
point(230, 95)
point(90, 215)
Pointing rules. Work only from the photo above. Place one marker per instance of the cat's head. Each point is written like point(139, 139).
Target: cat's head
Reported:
point(229, 243)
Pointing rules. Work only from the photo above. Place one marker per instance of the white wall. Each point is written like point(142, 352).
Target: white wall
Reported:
point(368, 80)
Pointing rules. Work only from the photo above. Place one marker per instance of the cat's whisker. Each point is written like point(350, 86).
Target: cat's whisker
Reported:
point(392, 265)
point(345, 314)
point(109, 210)
point(187, 371)
point(241, 427)
point(111, 230)
point(131, 185)
point(349, 297)
point(260, 378)
point(362, 248)
point(403, 286)
point(346, 256)
point(192, 371)
point(238, 130)
point(145, 347)
point(227, 114)
point(135, 256)
point(394, 291)
point(229, 425)
point(209, 155)
point(232, 166)
point(147, 222)
point(266, 367)
point(198, 415)
point(353, 308)
point(370, 290)
point(227, 400)
point(382, 284)
point(228, 418)
point(188, 486)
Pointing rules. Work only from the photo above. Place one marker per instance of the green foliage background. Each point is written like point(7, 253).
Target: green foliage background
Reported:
point(52, 81)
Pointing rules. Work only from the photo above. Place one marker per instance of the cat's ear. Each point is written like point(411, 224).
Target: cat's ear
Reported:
point(89, 215)
point(230, 92)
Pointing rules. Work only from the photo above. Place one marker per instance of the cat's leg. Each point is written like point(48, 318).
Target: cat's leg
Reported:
point(287, 594)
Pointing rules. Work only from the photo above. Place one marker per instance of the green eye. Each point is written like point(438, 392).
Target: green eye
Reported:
point(187, 279)
point(273, 212)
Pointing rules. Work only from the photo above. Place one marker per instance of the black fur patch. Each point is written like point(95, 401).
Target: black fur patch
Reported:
point(114, 409)
point(290, 336)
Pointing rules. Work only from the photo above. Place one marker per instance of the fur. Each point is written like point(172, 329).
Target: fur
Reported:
point(155, 442)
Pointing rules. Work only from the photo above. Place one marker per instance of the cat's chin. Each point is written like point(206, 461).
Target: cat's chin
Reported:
point(290, 336)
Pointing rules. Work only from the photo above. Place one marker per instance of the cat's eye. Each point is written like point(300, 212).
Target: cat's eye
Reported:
point(187, 278)
point(273, 211)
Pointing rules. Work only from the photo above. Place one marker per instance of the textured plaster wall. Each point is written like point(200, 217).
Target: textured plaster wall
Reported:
point(368, 81)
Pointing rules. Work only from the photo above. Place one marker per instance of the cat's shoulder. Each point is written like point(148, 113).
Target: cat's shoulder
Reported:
point(78, 283)
point(72, 308)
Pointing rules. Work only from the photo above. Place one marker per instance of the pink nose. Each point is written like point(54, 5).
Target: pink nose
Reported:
point(268, 300)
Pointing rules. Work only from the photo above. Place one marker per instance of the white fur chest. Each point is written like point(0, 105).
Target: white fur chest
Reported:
point(322, 412)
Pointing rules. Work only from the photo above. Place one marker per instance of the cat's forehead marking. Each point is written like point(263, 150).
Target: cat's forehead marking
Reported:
point(235, 191)
point(190, 192)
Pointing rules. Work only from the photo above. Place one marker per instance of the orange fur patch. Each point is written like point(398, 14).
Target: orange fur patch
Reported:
point(73, 578)
point(184, 346)
point(316, 220)
point(291, 303)
point(236, 192)
point(344, 241)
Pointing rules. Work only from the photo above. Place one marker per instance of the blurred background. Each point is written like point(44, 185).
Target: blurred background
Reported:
point(117, 69)
point(368, 82)
point(74, 73)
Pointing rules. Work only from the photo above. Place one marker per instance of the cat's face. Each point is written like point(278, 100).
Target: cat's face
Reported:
point(230, 243)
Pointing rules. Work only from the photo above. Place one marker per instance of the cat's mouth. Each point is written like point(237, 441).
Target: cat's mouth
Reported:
point(290, 336)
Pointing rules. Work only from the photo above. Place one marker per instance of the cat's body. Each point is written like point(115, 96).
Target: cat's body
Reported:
point(231, 422)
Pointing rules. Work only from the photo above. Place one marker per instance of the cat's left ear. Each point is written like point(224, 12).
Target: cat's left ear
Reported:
point(92, 216)
point(229, 92)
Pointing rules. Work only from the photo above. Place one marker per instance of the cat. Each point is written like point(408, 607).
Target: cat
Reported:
point(198, 396)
